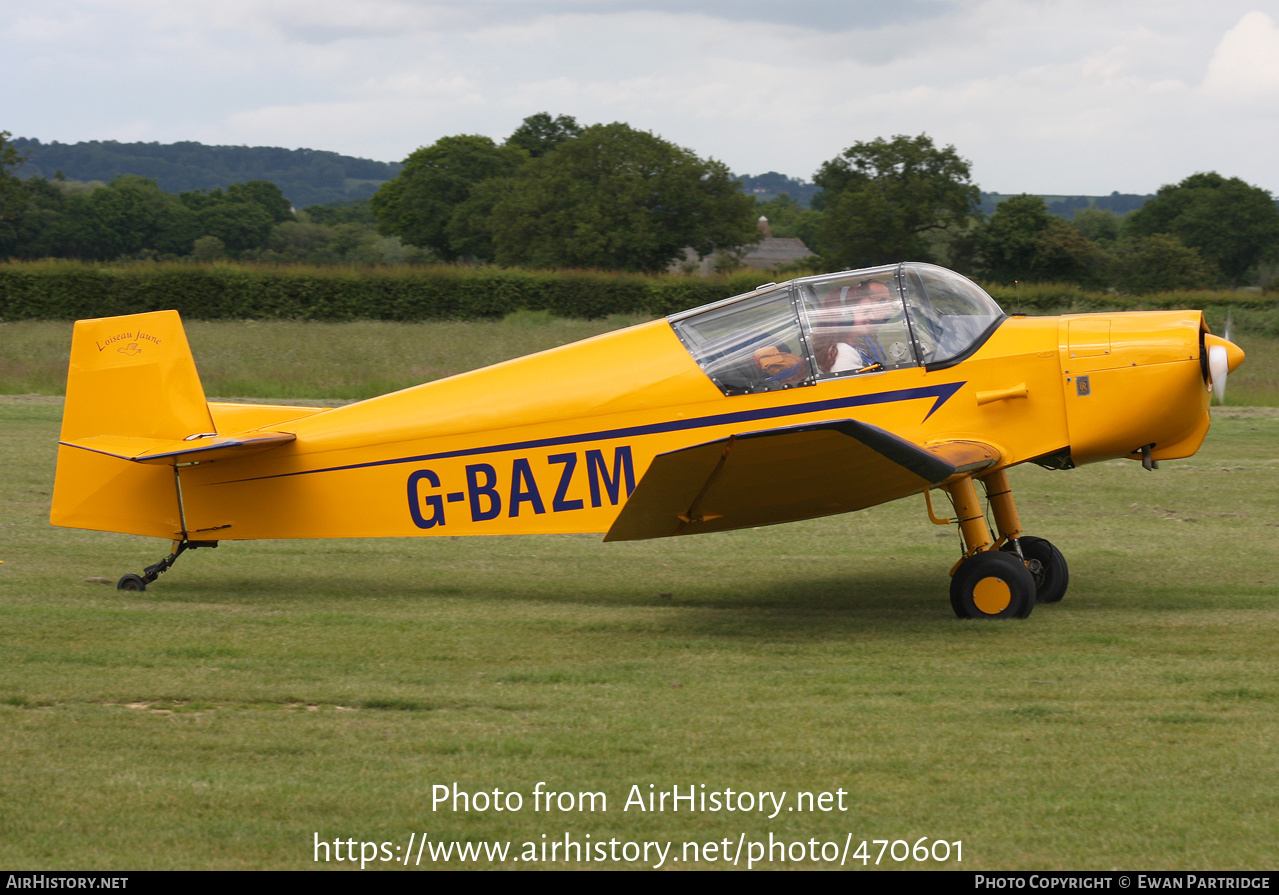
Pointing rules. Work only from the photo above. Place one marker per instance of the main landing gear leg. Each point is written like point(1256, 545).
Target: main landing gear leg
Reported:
point(1046, 564)
point(987, 582)
point(152, 572)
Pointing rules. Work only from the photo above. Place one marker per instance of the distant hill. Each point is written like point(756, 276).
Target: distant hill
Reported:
point(768, 186)
point(305, 176)
point(771, 185)
point(1066, 206)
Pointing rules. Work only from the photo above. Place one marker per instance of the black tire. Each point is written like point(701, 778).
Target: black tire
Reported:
point(992, 585)
point(131, 582)
point(1052, 576)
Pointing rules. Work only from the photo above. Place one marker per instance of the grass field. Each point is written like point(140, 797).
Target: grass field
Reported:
point(283, 359)
point(267, 693)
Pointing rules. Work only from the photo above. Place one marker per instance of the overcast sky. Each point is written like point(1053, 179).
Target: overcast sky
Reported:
point(1044, 96)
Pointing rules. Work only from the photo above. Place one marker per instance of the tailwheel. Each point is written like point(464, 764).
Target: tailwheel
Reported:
point(992, 584)
point(1047, 567)
point(153, 571)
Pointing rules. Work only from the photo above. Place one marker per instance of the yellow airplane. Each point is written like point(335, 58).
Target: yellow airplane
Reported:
point(817, 396)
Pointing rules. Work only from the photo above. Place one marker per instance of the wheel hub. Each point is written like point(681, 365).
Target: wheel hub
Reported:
point(992, 595)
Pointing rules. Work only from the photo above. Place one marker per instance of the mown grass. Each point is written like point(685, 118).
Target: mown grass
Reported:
point(352, 361)
point(266, 692)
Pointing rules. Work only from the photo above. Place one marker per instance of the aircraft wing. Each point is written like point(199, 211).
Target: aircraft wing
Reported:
point(786, 474)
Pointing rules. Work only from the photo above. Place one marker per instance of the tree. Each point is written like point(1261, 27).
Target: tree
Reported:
point(1064, 254)
point(1233, 225)
point(620, 199)
point(242, 226)
point(27, 233)
point(1007, 242)
point(470, 229)
point(1158, 263)
point(419, 203)
point(355, 211)
point(1097, 224)
point(880, 197)
point(143, 217)
point(541, 133)
point(208, 248)
point(12, 192)
point(266, 194)
point(299, 241)
point(1024, 241)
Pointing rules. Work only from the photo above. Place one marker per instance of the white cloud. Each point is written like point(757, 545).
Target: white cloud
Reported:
point(1245, 67)
point(1044, 95)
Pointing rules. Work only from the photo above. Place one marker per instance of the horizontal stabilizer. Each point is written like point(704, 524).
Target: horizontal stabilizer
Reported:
point(169, 452)
point(786, 474)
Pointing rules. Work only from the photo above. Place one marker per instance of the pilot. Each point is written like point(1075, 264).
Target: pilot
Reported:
point(871, 308)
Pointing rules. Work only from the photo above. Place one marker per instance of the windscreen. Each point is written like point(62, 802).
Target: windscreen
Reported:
point(950, 315)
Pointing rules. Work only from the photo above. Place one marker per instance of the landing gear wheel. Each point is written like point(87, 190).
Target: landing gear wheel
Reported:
point(1047, 566)
point(992, 584)
point(131, 582)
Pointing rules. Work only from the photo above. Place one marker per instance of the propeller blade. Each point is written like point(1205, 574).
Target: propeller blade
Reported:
point(1228, 335)
point(1219, 368)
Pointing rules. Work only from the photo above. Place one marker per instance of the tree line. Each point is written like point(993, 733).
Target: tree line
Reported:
point(888, 200)
point(556, 194)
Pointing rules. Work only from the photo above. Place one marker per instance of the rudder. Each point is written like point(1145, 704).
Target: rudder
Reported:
point(128, 376)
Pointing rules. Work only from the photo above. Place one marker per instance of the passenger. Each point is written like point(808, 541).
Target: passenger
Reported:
point(846, 340)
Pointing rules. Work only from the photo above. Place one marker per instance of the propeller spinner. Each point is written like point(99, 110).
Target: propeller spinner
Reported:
point(1224, 357)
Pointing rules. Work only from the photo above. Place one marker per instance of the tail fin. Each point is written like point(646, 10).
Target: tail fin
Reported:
point(131, 380)
point(133, 376)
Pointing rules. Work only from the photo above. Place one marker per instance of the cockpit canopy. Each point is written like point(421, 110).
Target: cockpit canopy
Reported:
point(843, 324)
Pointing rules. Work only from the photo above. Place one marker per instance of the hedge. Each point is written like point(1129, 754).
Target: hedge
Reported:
point(68, 290)
point(1060, 298)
